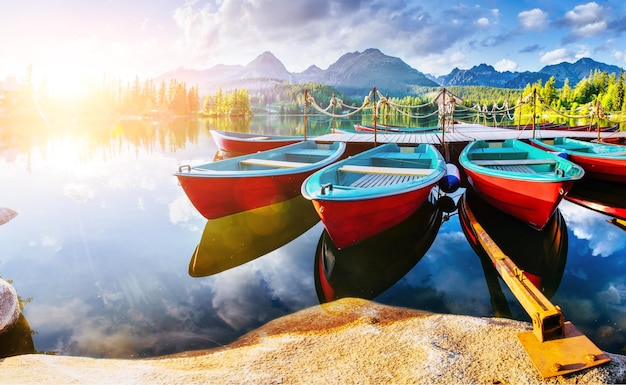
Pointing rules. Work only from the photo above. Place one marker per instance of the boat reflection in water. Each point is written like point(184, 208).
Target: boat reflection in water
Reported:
point(602, 196)
point(233, 240)
point(370, 267)
point(540, 254)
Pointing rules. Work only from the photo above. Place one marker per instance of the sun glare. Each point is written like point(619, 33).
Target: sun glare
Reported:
point(64, 80)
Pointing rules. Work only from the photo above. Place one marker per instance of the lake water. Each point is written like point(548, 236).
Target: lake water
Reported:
point(118, 263)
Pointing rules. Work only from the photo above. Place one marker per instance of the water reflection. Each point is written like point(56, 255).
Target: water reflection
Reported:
point(367, 269)
point(236, 239)
point(601, 196)
point(542, 255)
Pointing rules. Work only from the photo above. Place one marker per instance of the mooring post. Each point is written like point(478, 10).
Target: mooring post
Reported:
point(306, 107)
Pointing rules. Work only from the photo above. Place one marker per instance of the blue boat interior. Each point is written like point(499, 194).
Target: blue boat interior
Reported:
point(385, 168)
point(519, 158)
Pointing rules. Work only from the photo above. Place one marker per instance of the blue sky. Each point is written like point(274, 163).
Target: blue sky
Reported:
point(72, 39)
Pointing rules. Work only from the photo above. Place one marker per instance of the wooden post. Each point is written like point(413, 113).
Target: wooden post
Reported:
point(443, 116)
point(534, 110)
point(306, 107)
point(333, 101)
point(375, 117)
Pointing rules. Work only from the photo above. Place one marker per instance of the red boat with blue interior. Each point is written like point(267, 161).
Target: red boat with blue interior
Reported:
point(601, 161)
point(250, 181)
point(519, 179)
point(374, 190)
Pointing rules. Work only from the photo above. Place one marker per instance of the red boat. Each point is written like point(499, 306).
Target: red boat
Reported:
point(367, 193)
point(601, 161)
point(519, 179)
point(255, 180)
point(247, 143)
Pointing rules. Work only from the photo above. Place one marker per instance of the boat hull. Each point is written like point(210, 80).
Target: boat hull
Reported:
point(250, 143)
point(349, 222)
point(533, 202)
point(223, 196)
point(607, 169)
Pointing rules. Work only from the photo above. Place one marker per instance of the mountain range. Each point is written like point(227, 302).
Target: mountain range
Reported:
point(355, 73)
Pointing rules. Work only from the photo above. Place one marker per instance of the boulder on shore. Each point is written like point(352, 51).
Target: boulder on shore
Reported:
point(346, 341)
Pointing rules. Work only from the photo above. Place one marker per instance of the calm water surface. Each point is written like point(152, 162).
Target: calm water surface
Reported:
point(118, 263)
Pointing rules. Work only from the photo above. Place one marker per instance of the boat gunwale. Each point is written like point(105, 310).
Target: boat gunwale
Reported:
point(345, 193)
point(535, 177)
point(197, 172)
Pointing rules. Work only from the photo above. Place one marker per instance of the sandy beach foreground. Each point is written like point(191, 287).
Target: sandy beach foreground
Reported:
point(345, 342)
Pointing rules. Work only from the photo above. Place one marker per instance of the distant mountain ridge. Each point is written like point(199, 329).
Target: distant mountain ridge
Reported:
point(486, 75)
point(355, 74)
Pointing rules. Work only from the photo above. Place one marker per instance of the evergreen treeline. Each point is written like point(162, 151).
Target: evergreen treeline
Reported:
point(234, 103)
point(136, 98)
point(288, 99)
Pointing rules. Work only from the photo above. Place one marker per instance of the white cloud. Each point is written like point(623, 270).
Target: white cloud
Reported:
point(483, 21)
point(441, 64)
point(506, 65)
point(591, 226)
point(556, 56)
point(586, 20)
point(182, 211)
point(533, 19)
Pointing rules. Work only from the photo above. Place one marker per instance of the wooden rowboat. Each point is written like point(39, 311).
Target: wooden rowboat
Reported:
point(255, 180)
point(374, 190)
point(247, 143)
point(600, 160)
point(519, 179)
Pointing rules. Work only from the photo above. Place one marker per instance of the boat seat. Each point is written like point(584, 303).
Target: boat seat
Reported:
point(386, 170)
point(310, 155)
point(376, 180)
point(573, 147)
point(499, 153)
point(510, 162)
point(311, 151)
point(400, 155)
point(273, 163)
point(516, 168)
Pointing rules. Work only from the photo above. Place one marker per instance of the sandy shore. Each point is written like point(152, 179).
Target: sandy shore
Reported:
point(349, 341)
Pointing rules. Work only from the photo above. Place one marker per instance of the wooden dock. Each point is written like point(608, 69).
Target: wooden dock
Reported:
point(462, 134)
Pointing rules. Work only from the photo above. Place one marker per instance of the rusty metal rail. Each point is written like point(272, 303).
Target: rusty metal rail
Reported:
point(556, 347)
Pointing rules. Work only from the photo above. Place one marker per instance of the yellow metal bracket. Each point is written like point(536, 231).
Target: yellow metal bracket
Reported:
point(555, 347)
